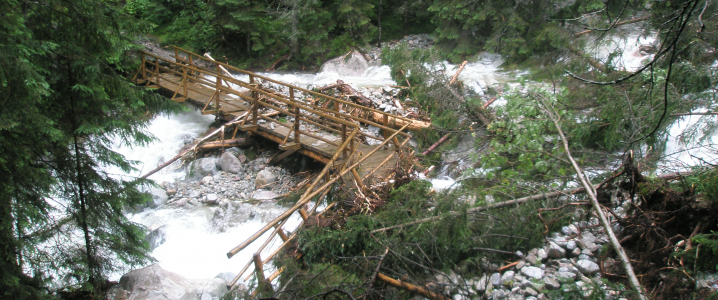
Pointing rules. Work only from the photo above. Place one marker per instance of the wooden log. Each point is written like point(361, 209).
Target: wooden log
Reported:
point(410, 287)
point(347, 89)
point(437, 144)
point(396, 122)
point(274, 65)
point(235, 142)
point(456, 76)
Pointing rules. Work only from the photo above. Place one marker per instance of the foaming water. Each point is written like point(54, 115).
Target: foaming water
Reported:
point(194, 249)
point(682, 153)
point(630, 57)
point(171, 132)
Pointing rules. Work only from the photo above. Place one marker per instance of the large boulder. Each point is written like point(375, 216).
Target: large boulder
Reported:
point(351, 64)
point(228, 162)
point(202, 167)
point(153, 282)
point(264, 178)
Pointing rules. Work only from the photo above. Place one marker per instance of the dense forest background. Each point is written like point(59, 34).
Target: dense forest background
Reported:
point(65, 95)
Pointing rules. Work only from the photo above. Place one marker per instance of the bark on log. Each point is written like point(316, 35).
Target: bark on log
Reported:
point(410, 287)
point(225, 144)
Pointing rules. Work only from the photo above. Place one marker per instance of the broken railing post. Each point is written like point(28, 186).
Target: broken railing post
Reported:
point(263, 284)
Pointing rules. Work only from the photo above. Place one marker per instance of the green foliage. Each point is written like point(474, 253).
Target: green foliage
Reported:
point(454, 242)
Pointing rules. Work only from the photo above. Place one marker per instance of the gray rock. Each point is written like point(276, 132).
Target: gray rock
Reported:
point(532, 259)
point(482, 284)
point(566, 276)
point(507, 277)
point(565, 230)
point(211, 198)
point(202, 167)
point(555, 251)
point(263, 194)
point(588, 237)
point(532, 272)
point(519, 253)
point(264, 177)
point(561, 241)
point(571, 245)
point(576, 252)
point(525, 283)
point(530, 292)
point(542, 255)
point(154, 283)
point(551, 284)
point(495, 279)
point(353, 64)
point(520, 265)
point(229, 163)
point(587, 267)
point(498, 294)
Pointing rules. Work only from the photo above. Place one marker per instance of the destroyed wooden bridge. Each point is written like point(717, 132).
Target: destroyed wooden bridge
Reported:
point(322, 127)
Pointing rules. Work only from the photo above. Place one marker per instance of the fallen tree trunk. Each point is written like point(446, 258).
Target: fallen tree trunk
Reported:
point(236, 142)
point(437, 144)
point(392, 121)
point(591, 191)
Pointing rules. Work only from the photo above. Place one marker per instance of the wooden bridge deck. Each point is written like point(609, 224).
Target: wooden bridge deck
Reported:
point(327, 129)
point(199, 95)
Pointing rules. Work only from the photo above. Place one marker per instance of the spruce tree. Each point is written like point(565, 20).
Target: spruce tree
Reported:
point(63, 98)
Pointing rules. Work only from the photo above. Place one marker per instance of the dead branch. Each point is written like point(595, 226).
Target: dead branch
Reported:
point(378, 266)
point(580, 33)
point(456, 76)
point(274, 65)
point(437, 144)
point(590, 190)
point(410, 287)
point(509, 266)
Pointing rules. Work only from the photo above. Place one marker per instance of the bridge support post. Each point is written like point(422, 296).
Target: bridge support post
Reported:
point(296, 124)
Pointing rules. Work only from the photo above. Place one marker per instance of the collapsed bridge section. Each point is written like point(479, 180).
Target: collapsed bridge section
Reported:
point(328, 129)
